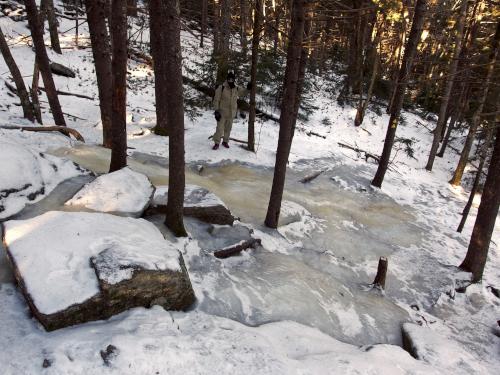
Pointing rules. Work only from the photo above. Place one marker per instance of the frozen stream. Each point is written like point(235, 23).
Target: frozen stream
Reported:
point(316, 280)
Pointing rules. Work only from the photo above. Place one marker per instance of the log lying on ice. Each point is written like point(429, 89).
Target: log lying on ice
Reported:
point(62, 129)
point(236, 249)
point(311, 177)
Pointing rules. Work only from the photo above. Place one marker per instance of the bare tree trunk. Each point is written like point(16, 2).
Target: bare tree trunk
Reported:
point(174, 102)
point(204, 16)
point(288, 115)
point(404, 72)
point(132, 8)
point(119, 96)
point(18, 79)
point(225, 33)
point(158, 45)
point(243, 26)
point(216, 27)
point(477, 180)
point(42, 59)
point(441, 122)
point(257, 28)
point(34, 93)
point(477, 253)
point(101, 51)
point(476, 117)
point(48, 5)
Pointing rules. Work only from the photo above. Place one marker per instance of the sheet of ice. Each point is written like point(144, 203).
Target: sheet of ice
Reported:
point(27, 176)
point(296, 222)
point(123, 192)
point(194, 196)
point(52, 252)
point(150, 341)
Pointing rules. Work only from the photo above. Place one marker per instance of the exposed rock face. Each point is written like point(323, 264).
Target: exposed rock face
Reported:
point(198, 203)
point(124, 192)
point(94, 266)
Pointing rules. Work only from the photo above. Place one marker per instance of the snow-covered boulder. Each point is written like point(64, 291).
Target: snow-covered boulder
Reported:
point(198, 203)
point(27, 176)
point(124, 192)
point(438, 350)
point(74, 267)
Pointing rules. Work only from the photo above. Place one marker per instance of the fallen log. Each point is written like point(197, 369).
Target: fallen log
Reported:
point(65, 93)
point(368, 155)
point(309, 133)
point(62, 129)
point(238, 248)
point(61, 70)
point(232, 139)
point(311, 177)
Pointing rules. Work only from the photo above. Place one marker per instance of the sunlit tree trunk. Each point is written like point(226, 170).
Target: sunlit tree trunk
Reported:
point(119, 96)
point(42, 59)
point(51, 18)
point(404, 72)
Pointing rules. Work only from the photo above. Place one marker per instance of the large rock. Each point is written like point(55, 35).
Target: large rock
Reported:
point(61, 70)
point(124, 192)
point(93, 266)
point(198, 203)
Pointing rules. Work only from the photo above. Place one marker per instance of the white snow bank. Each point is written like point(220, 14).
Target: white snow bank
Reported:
point(297, 222)
point(27, 176)
point(52, 253)
point(122, 192)
point(150, 341)
point(194, 196)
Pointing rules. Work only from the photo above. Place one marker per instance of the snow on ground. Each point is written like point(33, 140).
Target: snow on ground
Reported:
point(122, 192)
point(60, 257)
point(422, 273)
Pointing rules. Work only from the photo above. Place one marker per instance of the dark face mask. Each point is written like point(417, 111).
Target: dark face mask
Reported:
point(231, 83)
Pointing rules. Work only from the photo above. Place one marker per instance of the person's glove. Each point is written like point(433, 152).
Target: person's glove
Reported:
point(249, 86)
point(217, 115)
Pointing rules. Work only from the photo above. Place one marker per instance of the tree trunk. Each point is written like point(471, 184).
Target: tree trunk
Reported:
point(402, 81)
point(243, 26)
point(119, 94)
point(216, 27)
point(101, 51)
point(48, 5)
point(18, 79)
point(257, 28)
point(477, 180)
point(477, 253)
point(175, 104)
point(441, 122)
point(288, 114)
point(158, 45)
point(222, 57)
point(132, 8)
point(204, 16)
point(476, 117)
point(43, 61)
point(34, 93)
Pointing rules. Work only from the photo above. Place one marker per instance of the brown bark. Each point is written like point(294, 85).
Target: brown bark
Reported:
point(243, 25)
point(175, 104)
point(222, 56)
point(119, 93)
point(476, 117)
point(257, 28)
point(381, 273)
point(477, 253)
point(288, 115)
point(101, 51)
point(18, 79)
point(204, 16)
point(48, 6)
point(42, 59)
point(34, 93)
point(441, 122)
point(402, 81)
point(158, 22)
point(61, 129)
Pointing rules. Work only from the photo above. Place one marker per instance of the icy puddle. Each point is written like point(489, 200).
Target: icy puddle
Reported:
point(315, 279)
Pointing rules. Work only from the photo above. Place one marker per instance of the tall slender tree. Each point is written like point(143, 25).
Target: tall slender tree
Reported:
point(404, 72)
point(119, 94)
point(48, 6)
point(36, 26)
point(18, 79)
point(477, 252)
point(288, 115)
point(441, 122)
point(101, 51)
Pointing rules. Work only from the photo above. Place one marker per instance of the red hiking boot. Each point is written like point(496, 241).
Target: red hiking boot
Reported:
point(225, 144)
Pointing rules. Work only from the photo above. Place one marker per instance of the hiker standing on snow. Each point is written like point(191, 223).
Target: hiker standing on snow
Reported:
point(225, 105)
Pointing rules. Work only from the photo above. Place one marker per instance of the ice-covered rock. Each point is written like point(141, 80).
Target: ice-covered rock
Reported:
point(198, 203)
point(26, 175)
point(124, 192)
point(296, 221)
point(93, 265)
point(438, 350)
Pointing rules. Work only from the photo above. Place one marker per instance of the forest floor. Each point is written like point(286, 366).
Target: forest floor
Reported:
point(345, 226)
